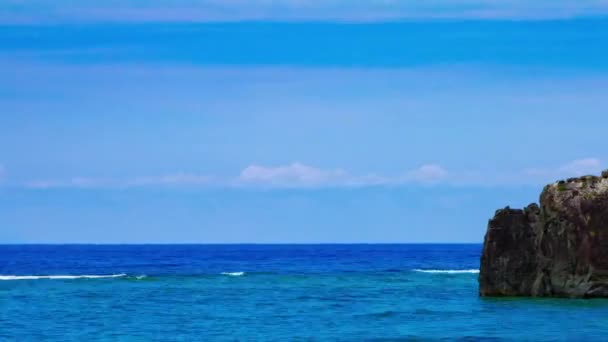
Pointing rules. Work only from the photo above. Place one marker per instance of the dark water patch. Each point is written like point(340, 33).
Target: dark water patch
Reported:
point(425, 312)
point(382, 314)
point(393, 270)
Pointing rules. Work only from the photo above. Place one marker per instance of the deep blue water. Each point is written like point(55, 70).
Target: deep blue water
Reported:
point(270, 292)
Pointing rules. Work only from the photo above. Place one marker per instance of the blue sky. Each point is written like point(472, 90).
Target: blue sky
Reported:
point(291, 121)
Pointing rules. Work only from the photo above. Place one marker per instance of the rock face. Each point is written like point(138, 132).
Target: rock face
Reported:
point(559, 248)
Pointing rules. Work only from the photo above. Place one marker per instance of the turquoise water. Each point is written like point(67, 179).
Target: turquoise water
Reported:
point(270, 293)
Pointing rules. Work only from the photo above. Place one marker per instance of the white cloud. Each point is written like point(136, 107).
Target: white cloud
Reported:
point(575, 168)
point(428, 173)
point(301, 175)
point(295, 174)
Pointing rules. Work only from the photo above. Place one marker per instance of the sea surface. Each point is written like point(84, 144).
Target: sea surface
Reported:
point(270, 293)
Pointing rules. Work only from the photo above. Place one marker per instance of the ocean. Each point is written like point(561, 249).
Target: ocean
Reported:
point(270, 293)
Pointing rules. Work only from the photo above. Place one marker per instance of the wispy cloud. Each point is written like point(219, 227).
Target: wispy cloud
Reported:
point(285, 10)
point(575, 168)
point(295, 174)
point(429, 173)
point(76, 182)
point(171, 180)
point(300, 175)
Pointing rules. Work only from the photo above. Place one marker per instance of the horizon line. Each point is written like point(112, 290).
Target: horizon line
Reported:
point(330, 21)
point(229, 243)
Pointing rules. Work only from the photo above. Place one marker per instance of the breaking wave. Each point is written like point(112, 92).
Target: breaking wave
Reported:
point(233, 274)
point(447, 271)
point(36, 277)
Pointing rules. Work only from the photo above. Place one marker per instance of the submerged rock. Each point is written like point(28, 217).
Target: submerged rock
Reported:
point(559, 248)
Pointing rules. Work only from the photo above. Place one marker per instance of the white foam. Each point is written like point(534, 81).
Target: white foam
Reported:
point(34, 277)
point(447, 271)
point(143, 276)
point(233, 274)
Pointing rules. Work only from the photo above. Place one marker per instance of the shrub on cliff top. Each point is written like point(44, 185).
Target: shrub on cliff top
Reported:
point(590, 178)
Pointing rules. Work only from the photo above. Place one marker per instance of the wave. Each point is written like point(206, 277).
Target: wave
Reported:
point(447, 271)
point(233, 274)
point(36, 277)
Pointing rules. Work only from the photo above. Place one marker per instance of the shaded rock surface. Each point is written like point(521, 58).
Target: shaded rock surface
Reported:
point(558, 248)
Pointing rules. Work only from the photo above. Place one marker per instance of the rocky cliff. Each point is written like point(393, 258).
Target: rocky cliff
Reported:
point(558, 248)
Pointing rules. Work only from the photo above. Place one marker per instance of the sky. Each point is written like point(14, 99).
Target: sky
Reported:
point(292, 121)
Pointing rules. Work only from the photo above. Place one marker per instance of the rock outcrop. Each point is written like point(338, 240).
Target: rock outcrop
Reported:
point(558, 248)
